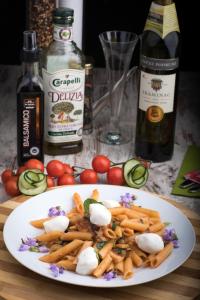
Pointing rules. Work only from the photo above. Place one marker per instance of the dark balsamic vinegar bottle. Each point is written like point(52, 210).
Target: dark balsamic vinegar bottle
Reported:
point(157, 103)
point(30, 104)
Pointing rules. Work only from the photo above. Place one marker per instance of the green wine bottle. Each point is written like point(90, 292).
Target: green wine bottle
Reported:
point(159, 62)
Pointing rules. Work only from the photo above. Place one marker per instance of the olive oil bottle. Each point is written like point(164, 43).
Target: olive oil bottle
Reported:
point(30, 104)
point(159, 63)
point(64, 82)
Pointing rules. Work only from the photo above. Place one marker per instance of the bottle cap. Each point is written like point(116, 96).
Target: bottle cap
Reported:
point(30, 50)
point(63, 16)
point(30, 41)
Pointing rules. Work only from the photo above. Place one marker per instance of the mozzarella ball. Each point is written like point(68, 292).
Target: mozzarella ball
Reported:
point(59, 223)
point(110, 203)
point(87, 261)
point(149, 242)
point(99, 215)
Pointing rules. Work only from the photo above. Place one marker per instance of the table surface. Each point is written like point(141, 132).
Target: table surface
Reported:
point(162, 175)
point(19, 283)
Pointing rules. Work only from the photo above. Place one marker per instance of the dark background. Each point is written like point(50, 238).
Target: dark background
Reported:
point(99, 16)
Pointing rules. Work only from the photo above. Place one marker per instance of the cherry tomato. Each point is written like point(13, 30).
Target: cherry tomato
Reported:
point(68, 169)
point(21, 170)
point(88, 176)
point(11, 186)
point(101, 164)
point(50, 182)
point(115, 176)
point(6, 174)
point(34, 163)
point(66, 179)
point(55, 168)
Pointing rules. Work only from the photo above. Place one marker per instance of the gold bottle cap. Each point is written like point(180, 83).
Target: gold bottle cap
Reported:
point(88, 68)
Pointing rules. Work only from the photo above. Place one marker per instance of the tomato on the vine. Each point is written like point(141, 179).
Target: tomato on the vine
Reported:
point(55, 168)
point(50, 182)
point(88, 176)
point(101, 164)
point(6, 175)
point(21, 170)
point(11, 186)
point(68, 169)
point(115, 176)
point(34, 163)
point(66, 179)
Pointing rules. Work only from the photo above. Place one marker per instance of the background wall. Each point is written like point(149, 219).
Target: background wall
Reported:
point(101, 15)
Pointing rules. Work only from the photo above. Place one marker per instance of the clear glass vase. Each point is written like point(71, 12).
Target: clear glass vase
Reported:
point(118, 47)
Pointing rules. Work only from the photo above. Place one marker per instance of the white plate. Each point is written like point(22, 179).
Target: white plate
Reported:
point(17, 226)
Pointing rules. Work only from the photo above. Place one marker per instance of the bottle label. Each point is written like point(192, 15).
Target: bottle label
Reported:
point(64, 99)
point(159, 64)
point(30, 124)
point(162, 19)
point(63, 34)
point(156, 95)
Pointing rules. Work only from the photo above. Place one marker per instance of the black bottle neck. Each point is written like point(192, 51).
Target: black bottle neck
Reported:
point(30, 68)
point(163, 2)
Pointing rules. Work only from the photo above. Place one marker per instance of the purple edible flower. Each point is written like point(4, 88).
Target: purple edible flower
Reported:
point(23, 247)
point(110, 275)
point(31, 242)
point(56, 211)
point(127, 200)
point(170, 236)
point(28, 244)
point(56, 270)
point(43, 249)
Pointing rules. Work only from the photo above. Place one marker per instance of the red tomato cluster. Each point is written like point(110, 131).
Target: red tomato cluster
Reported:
point(59, 173)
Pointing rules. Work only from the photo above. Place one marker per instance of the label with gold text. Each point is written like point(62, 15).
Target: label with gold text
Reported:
point(156, 95)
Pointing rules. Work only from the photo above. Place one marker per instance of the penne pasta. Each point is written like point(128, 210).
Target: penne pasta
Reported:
point(128, 232)
point(156, 227)
point(131, 223)
point(67, 264)
point(118, 231)
point(106, 249)
point(161, 256)
point(116, 257)
point(128, 268)
point(73, 235)
point(39, 223)
point(60, 253)
point(104, 264)
point(109, 233)
point(149, 212)
point(136, 259)
point(49, 236)
point(95, 194)
point(78, 203)
point(119, 267)
point(110, 267)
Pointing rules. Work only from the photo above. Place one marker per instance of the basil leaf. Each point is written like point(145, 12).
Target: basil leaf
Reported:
point(87, 203)
point(100, 245)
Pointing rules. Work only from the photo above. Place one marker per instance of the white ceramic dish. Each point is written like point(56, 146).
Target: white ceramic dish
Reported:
point(17, 226)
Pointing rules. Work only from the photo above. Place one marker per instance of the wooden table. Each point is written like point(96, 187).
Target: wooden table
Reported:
point(19, 283)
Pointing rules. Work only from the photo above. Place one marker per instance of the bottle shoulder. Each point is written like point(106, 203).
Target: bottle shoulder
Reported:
point(63, 56)
point(29, 84)
point(152, 45)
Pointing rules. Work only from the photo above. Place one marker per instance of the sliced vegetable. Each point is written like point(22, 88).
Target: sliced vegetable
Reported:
point(135, 173)
point(32, 182)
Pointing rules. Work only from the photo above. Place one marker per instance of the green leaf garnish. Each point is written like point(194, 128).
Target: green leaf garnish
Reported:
point(100, 245)
point(166, 223)
point(114, 225)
